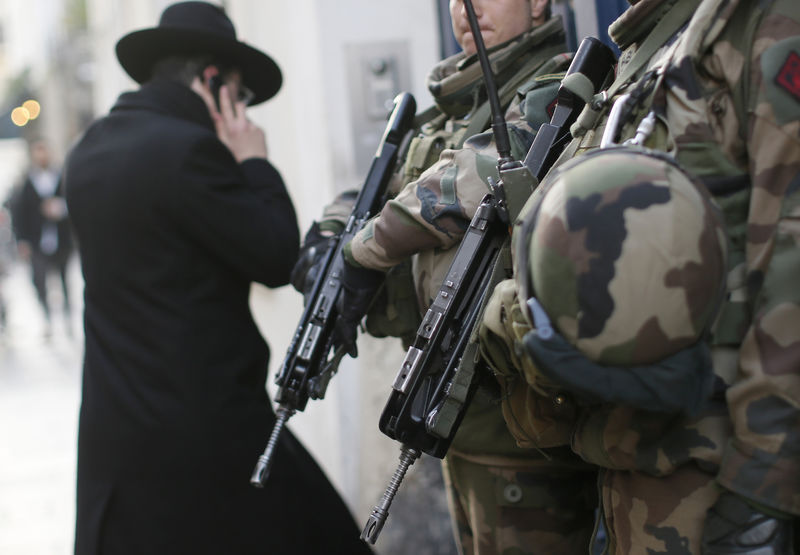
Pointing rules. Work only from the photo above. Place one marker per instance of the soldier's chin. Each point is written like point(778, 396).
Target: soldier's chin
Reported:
point(468, 45)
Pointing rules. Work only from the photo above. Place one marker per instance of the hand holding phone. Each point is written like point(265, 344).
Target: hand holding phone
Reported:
point(243, 138)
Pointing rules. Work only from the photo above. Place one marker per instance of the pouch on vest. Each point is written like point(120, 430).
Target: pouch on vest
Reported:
point(536, 414)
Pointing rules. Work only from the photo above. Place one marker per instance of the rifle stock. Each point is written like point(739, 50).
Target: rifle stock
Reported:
point(312, 358)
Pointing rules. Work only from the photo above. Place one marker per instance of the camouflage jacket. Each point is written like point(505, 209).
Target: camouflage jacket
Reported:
point(430, 214)
point(426, 220)
point(727, 106)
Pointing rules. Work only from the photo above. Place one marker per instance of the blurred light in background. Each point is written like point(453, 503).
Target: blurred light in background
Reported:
point(33, 108)
point(20, 116)
point(29, 110)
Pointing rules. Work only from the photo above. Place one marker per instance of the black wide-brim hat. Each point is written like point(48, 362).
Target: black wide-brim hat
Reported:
point(198, 28)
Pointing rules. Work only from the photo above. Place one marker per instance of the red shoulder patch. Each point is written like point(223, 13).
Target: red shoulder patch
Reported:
point(789, 75)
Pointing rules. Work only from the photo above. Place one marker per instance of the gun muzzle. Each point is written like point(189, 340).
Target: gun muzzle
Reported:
point(261, 471)
point(380, 512)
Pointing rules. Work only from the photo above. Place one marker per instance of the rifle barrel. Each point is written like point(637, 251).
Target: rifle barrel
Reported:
point(261, 471)
point(377, 519)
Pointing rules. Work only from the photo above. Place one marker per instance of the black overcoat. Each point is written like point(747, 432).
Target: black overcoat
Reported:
point(172, 231)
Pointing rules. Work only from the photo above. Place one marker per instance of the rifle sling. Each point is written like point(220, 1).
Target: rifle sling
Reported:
point(482, 116)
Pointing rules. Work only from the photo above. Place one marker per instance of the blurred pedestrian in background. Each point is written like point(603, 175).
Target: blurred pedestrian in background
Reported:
point(177, 211)
point(42, 228)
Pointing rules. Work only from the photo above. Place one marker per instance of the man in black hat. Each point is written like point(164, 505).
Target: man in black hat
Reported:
point(177, 211)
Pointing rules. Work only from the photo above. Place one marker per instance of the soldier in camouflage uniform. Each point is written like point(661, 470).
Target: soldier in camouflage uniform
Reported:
point(503, 499)
point(715, 84)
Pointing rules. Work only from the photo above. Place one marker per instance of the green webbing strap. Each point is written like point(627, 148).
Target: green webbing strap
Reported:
point(673, 20)
point(479, 120)
point(501, 270)
point(458, 391)
point(482, 116)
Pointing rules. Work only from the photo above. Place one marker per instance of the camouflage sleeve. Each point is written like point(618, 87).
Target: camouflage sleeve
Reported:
point(434, 211)
point(762, 462)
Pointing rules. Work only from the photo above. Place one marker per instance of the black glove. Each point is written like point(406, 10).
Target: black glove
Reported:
point(307, 267)
point(734, 526)
point(359, 286)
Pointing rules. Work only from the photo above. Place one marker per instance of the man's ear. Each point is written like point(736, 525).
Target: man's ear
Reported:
point(539, 11)
point(209, 72)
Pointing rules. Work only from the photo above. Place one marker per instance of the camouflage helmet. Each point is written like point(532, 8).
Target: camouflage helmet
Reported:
point(626, 253)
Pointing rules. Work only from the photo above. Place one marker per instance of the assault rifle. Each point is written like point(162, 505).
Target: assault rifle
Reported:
point(312, 358)
point(439, 374)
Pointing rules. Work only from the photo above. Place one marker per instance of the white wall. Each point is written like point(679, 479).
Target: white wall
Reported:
point(108, 21)
point(585, 18)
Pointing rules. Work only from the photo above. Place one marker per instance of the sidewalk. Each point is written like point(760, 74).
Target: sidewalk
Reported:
point(39, 401)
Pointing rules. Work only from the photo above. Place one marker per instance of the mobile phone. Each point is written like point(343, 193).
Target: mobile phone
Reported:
point(214, 83)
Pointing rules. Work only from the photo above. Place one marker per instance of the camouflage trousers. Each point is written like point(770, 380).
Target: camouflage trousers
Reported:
point(648, 514)
point(521, 507)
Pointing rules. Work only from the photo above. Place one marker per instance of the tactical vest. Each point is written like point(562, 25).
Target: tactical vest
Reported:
point(520, 65)
point(650, 78)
